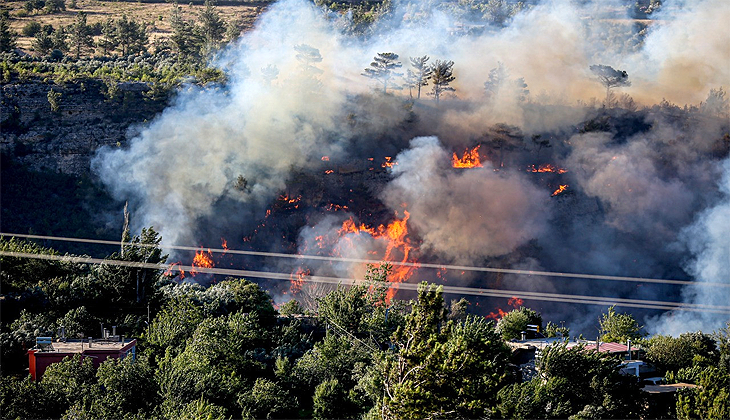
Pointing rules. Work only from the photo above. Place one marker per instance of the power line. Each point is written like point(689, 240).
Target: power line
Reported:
point(474, 291)
point(398, 263)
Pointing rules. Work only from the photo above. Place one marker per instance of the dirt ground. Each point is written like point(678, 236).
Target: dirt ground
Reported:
point(156, 15)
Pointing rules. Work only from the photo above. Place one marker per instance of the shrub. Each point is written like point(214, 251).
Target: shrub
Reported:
point(31, 28)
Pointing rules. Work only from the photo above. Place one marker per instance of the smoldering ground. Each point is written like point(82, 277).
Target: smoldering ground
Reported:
point(643, 174)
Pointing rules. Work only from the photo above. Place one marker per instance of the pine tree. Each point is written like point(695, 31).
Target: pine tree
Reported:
point(80, 35)
point(381, 69)
point(420, 74)
point(442, 74)
point(130, 35)
point(185, 35)
point(212, 26)
point(42, 43)
point(7, 37)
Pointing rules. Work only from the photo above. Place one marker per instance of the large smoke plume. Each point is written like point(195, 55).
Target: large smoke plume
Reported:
point(296, 101)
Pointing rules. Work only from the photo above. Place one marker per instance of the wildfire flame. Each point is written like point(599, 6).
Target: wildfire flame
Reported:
point(396, 235)
point(325, 158)
point(560, 189)
point(170, 272)
point(470, 159)
point(335, 207)
point(224, 245)
point(203, 259)
point(546, 167)
point(388, 162)
point(514, 302)
point(297, 279)
point(329, 171)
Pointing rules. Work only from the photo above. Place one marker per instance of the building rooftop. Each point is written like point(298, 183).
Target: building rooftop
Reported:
point(541, 343)
point(80, 345)
point(668, 388)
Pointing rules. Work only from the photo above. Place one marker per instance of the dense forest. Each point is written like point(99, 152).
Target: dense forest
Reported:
point(225, 351)
point(324, 129)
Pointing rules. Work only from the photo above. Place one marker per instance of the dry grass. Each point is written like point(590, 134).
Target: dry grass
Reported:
point(156, 15)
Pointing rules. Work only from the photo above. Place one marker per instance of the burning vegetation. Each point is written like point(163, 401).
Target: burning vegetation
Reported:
point(353, 155)
point(470, 159)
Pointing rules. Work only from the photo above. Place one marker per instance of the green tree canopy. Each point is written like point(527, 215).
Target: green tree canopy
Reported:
point(515, 321)
point(443, 369)
point(619, 327)
point(575, 381)
point(80, 35)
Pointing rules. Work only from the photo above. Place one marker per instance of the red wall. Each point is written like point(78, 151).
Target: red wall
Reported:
point(39, 361)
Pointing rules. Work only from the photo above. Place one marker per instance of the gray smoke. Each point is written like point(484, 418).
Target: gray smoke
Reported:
point(464, 215)
point(218, 156)
point(708, 239)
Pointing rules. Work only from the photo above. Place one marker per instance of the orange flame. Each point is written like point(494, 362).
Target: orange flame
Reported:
point(224, 245)
point(203, 259)
point(173, 268)
point(298, 281)
point(325, 158)
point(514, 302)
point(546, 167)
point(388, 162)
point(470, 159)
point(398, 247)
point(335, 207)
point(329, 171)
point(560, 189)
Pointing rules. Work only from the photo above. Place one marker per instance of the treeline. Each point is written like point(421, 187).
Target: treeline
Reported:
point(225, 351)
point(118, 49)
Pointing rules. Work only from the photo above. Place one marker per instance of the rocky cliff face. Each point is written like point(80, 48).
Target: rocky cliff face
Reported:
point(64, 140)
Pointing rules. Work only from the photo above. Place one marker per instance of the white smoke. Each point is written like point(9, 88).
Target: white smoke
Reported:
point(708, 239)
point(464, 215)
point(219, 155)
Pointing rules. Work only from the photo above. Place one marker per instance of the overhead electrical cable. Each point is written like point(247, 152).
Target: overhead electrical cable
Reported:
point(476, 291)
point(370, 261)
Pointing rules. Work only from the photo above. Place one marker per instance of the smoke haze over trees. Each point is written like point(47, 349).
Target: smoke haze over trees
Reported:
point(640, 171)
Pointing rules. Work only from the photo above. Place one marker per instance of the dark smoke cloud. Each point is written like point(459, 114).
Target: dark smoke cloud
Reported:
point(217, 158)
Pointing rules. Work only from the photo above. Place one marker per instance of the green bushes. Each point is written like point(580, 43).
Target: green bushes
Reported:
point(161, 69)
point(31, 28)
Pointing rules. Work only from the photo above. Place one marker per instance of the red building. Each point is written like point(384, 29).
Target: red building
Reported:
point(98, 351)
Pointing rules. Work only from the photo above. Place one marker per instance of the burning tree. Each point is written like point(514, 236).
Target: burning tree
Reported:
point(442, 74)
point(419, 75)
point(381, 69)
point(610, 78)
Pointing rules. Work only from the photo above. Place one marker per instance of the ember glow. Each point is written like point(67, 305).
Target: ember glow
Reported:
point(298, 278)
point(560, 190)
point(389, 162)
point(470, 159)
point(546, 167)
point(175, 269)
